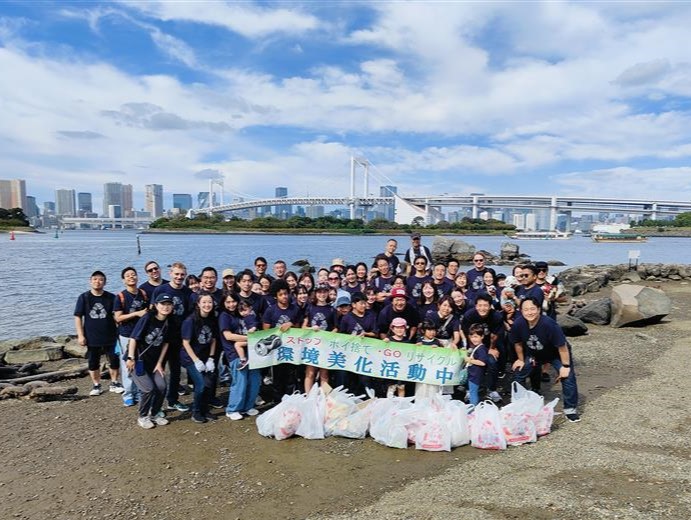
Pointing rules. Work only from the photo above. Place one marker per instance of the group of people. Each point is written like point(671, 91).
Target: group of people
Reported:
point(160, 326)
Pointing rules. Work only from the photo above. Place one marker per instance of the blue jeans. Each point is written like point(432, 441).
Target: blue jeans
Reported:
point(202, 390)
point(131, 390)
point(244, 387)
point(569, 387)
point(474, 391)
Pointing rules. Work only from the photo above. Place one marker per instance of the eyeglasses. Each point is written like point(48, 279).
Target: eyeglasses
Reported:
point(420, 263)
point(542, 270)
point(522, 275)
point(152, 269)
point(333, 278)
point(479, 260)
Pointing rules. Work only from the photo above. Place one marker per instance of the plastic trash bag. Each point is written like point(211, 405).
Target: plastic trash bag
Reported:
point(543, 419)
point(339, 404)
point(355, 425)
point(486, 430)
point(282, 421)
point(519, 427)
point(530, 402)
point(388, 421)
point(456, 416)
point(434, 435)
point(312, 409)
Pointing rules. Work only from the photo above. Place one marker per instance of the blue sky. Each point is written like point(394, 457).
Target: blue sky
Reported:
point(558, 98)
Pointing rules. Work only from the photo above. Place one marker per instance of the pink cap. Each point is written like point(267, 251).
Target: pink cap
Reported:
point(399, 322)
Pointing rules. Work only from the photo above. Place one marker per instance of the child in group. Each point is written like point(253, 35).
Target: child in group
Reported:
point(477, 359)
point(320, 316)
point(397, 334)
point(428, 339)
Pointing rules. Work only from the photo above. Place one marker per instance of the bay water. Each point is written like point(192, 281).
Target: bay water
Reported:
point(41, 276)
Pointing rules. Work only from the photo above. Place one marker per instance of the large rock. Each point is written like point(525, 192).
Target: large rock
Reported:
point(46, 353)
point(598, 312)
point(571, 326)
point(74, 349)
point(638, 305)
point(509, 251)
point(445, 248)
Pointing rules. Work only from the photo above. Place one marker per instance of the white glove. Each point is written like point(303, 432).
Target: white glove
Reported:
point(199, 365)
point(210, 365)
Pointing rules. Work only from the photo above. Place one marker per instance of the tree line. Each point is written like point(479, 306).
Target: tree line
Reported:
point(13, 217)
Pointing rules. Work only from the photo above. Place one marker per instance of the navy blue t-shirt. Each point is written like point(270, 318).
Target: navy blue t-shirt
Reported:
point(181, 301)
point(476, 283)
point(128, 303)
point(444, 288)
point(493, 323)
point(200, 335)
point(228, 322)
point(99, 325)
point(322, 316)
point(414, 283)
point(445, 326)
point(150, 334)
point(149, 289)
point(542, 341)
point(387, 315)
point(475, 372)
point(534, 292)
point(274, 316)
point(356, 325)
point(382, 284)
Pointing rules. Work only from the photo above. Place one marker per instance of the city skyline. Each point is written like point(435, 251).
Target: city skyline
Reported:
point(514, 98)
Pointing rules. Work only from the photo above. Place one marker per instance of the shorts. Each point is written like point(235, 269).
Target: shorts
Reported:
point(93, 356)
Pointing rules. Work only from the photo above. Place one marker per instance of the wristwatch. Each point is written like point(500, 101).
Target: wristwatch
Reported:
point(129, 358)
point(566, 365)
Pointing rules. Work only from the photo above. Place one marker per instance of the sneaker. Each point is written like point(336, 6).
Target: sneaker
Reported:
point(182, 390)
point(116, 388)
point(573, 417)
point(145, 422)
point(495, 397)
point(160, 421)
point(198, 418)
point(96, 390)
point(161, 414)
point(178, 406)
point(268, 381)
point(128, 402)
point(210, 417)
point(252, 412)
point(259, 401)
point(216, 403)
point(234, 416)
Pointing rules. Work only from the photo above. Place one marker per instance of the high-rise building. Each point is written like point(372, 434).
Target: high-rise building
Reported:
point(388, 211)
point(65, 203)
point(282, 211)
point(49, 208)
point(154, 199)
point(13, 194)
point(84, 203)
point(31, 207)
point(112, 195)
point(182, 201)
point(127, 200)
point(114, 211)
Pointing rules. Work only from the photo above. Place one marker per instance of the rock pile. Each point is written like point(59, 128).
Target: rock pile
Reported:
point(40, 349)
point(445, 248)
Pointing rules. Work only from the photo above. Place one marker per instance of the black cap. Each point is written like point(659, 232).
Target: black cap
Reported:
point(541, 265)
point(164, 298)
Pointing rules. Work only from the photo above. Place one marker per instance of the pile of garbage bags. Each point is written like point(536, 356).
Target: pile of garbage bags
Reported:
point(435, 423)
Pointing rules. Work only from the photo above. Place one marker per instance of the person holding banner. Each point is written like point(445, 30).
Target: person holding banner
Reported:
point(319, 316)
point(397, 334)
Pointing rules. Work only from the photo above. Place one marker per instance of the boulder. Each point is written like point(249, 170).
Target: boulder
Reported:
point(509, 251)
point(47, 353)
point(631, 276)
point(571, 325)
point(74, 350)
point(638, 305)
point(579, 289)
point(444, 248)
point(598, 312)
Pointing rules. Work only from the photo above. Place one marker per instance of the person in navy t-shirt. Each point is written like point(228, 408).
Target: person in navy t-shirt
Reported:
point(320, 315)
point(154, 280)
point(96, 330)
point(478, 357)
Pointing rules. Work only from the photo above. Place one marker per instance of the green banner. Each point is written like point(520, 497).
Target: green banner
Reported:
point(358, 354)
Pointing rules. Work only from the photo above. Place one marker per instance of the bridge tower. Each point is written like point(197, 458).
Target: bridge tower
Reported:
point(212, 183)
point(355, 162)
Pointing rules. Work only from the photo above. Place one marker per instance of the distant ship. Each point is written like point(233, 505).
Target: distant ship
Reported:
point(620, 238)
point(541, 235)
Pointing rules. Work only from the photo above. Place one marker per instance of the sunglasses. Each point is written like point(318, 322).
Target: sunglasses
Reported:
point(479, 260)
point(152, 269)
point(333, 278)
point(420, 263)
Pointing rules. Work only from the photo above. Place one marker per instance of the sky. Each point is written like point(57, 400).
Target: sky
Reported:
point(557, 98)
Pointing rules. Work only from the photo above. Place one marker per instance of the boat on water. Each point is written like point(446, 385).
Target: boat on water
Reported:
point(541, 235)
point(619, 238)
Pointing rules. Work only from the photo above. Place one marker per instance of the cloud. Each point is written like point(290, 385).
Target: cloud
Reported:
point(85, 134)
point(248, 20)
point(153, 117)
point(209, 174)
point(643, 73)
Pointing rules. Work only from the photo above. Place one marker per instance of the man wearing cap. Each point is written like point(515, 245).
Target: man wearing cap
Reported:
point(417, 249)
point(399, 308)
point(338, 265)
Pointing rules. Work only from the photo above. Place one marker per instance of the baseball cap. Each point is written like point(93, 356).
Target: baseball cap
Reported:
point(338, 262)
point(414, 236)
point(541, 265)
point(227, 272)
point(322, 287)
point(343, 300)
point(399, 322)
point(398, 292)
point(164, 298)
